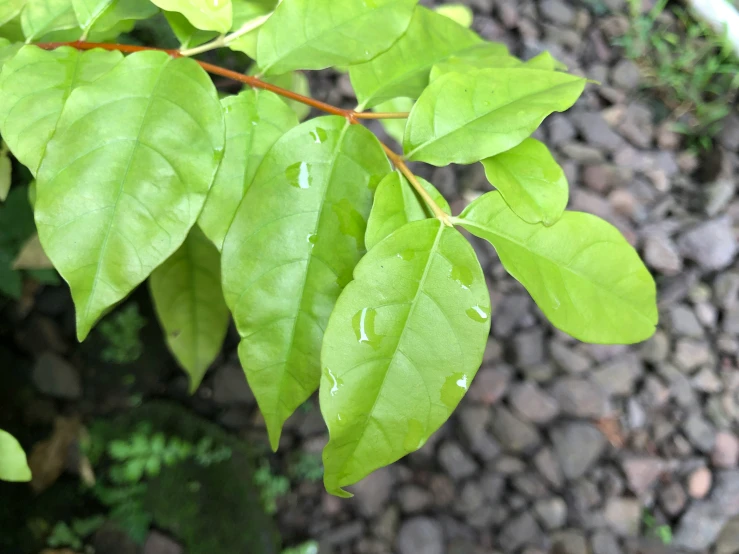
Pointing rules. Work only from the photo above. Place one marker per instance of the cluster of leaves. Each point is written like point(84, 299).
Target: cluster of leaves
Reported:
point(122, 334)
point(341, 273)
point(694, 70)
point(661, 532)
point(143, 455)
point(74, 534)
point(271, 487)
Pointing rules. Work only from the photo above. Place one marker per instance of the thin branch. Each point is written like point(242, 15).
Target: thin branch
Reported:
point(351, 115)
point(225, 40)
point(381, 115)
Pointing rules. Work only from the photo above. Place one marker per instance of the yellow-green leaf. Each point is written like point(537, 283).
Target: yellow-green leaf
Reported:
point(209, 15)
point(13, 463)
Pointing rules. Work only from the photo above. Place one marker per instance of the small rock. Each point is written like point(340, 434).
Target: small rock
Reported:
point(623, 516)
point(343, 534)
point(514, 434)
point(570, 542)
point(490, 384)
point(157, 543)
point(617, 376)
point(604, 542)
point(528, 347)
point(580, 398)
point(560, 129)
point(230, 386)
point(604, 177)
point(728, 540)
point(725, 450)
point(533, 404)
point(699, 527)
point(557, 12)
point(470, 500)
point(414, 499)
point(492, 486)
point(626, 75)
point(456, 462)
point(421, 534)
point(474, 419)
point(569, 359)
point(548, 466)
point(726, 492)
point(711, 244)
point(699, 483)
point(641, 473)
point(707, 381)
point(672, 498)
point(582, 153)
point(729, 136)
point(596, 131)
point(552, 512)
point(657, 348)
point(699, 432)
point(520, 531)
point(662, 254)
point(513, 309)
point(56, 377)
point(373, 492)
point(683, 322)
point(578, 446)
point(691, 354)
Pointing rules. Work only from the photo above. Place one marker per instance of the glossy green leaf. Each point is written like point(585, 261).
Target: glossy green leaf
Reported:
point(396, 204)
point(189, 304)
point(13, 31)
point(581, 272)
point(316, 34)
point(401, 348)
point(295, 81)
point(404, 69)
point(531, 181)
point(35, 86)
point(488, 55)
point(41, 17)
point(6, 168)
point(291, 249)
point(545, 61)
point(465, 118)
point(88, 11)
point(117, 14)
point(13, 463)
point(8, 50)
point(209, 15)
point(245, 12)
point(395, 127)
point(459, 13)
point(254, 122)
point(126, 176)
point(188, 35)
point(10, 9)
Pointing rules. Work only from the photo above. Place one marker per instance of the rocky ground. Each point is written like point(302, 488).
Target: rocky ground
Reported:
point(561, 445)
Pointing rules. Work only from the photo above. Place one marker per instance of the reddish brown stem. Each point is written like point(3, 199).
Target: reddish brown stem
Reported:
point(351, 115)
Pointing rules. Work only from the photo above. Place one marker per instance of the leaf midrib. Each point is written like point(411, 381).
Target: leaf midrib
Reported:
point(609, 292)
point(414, 303)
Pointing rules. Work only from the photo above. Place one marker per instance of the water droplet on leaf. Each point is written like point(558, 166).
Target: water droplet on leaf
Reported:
point(414, 436)
point(478, 314)
point(319, 135)
point(462, 275)
point(335, 383)
point(298, 175)
point(363, 323)
point(351, 222)
point(454, 388)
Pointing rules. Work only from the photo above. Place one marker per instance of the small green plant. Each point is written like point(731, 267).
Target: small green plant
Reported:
point(693, 70)
point(122, 335)
point(271, 486)
point(73, 535)
point(306, 467)
point(307, 548)
point(661, 532)
point(344, 271)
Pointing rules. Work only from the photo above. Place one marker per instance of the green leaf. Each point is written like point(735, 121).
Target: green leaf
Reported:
point(395, 127)
point(396, 204)
point(316, 34)
point(401, 348)
point(88, 11)
point(188, 35)
point(244, 12)
point(254, 122)
point(483, 56)
point(41, 17)
point(13, 31)
point(459, 13)
point(545, 61)
point(295, 81)
point(8, 50)
point(189, 304)
point(13, 464)
point(531, 182)
point(465, 118)
point(126, 176)
point(34, 87)
point(581, 272)
point(404, 69)
point(209, 15)
point(120, 14)
point(291, 249)
point(6, 168)
point(10, 9)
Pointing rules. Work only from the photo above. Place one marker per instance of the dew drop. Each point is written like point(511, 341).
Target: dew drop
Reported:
point(478, 314)
point(298, 175)
point(319, 135)
point(556, 302)
point(312, 238)
point(363, 323)
point(407, 255)
point(335, 383)
point(351, 222)
point(462, 383)
point(413, 439)
point(454, 388)
point(463, 276)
